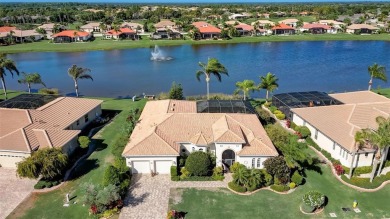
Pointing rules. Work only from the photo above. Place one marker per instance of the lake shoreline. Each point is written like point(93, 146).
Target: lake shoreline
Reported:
point(103, 45)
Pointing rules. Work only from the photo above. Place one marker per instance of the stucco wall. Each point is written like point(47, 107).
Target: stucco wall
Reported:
point(69, 147)
point(221, 147)
point(91, 116)
point(9, 159)
point(151, 160)
point(247, 161)
point(189, 148)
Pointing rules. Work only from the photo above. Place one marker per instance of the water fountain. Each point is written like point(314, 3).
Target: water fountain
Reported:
point(159, 55)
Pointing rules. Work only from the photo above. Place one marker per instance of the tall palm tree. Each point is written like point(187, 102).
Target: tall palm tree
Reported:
point(378, 72)
point(213, 67)
point(76, 73)
point(245, 86)
point(360, 140)
point(32, 78)
point(269, 83)
point(6, 65)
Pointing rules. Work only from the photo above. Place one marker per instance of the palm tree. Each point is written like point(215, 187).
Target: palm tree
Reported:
point(245, 86)
point(269, 83)
point(360, 140)
point(213, 67)
point(378, 72)
point(78, 73)
point(32, 78)
point(241, 176)
point(10, 66)
point(255, 177)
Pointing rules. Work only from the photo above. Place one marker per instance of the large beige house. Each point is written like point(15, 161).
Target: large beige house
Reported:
point(168, 128)
point(55, 124)
point(333, 127)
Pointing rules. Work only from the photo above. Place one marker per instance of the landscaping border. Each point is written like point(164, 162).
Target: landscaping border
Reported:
point(264, 188)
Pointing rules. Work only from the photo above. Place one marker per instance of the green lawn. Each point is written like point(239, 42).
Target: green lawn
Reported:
point(384, 91)
point(267, 204)
point(98, 44)
point(49, 205)
point(10, 94)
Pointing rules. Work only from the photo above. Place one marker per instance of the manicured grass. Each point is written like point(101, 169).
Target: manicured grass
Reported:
point(98, 44)
point(10, 94)
point(49, 205)
point(267, 204)
point(384, 91)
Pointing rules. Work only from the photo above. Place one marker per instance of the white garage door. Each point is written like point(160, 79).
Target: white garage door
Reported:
point(163, 166)
point(141, 167)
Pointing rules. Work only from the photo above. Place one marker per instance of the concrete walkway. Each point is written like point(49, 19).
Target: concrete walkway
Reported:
point(148, 196)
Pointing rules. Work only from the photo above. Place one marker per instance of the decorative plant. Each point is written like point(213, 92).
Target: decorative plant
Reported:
point(314, 199)
point(339, 169)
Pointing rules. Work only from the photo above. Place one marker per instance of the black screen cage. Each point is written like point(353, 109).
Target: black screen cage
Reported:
point(286, 101)
point(28, 101)
point(224, 106)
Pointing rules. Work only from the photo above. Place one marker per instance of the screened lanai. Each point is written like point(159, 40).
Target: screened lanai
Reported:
point(28, 101)
point(224, 106)
point(286, 101)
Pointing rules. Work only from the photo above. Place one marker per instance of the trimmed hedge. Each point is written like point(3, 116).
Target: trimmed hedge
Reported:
point(365, 182)
point(280, 188)
point(41, 184)
point(251, 188)
point(198, 163)
point(297, 178)
point(174, 174)
point(236, 187)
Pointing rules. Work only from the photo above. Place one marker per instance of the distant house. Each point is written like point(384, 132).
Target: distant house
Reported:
point(123, 33)
point(21, 36)
point(91, 27)
point(362, 29)
point(263, 27)
point(56, 124)
point(7, 29)
point(68, 36)
point(318, 28)
point(206, 30)
point(335, 24)
point(233, 23)
point(237, 16)
point(245, 29)
point(283, 29)
point(134, 26)
point(166, 33)
point(165, 24)
point(49, 29)
point(292, 22)
point(264, 15)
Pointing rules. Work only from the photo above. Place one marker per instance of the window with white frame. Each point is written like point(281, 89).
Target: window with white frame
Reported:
point(258, 162)
point(253, 162)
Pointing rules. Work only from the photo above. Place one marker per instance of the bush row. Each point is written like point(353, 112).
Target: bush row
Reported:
point(41, 184)
point(236, 187)
point(280, 188)
point(365, 182)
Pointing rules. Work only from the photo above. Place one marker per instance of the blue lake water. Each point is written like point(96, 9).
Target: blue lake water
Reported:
point(330, 66)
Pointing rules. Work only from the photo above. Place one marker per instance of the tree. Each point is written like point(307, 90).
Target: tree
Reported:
point(213, 67)
point(48, 163)
point(111, 176)
point(245, 86)
point(314, 199)
point(376, 72)
point(269, 83)
point(360, 140)
point(241, 176)
point(6, 65)
point(277, 167)
point(256, 178)
point(176, 92)
point(31, 78)
point(84, 141)
point(198, 163)
point(77, 73)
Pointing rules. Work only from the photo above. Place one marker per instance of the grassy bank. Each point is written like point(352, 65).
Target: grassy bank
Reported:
point(50, 205)
point(98, 44)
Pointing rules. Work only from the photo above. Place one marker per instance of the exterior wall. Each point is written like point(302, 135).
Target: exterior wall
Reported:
point(10, 159)
point(221, 147)
point(92, 115)
point(189, 148)
point(151, 159)
point(248, 161)
point(69, 147)
point(336, 151)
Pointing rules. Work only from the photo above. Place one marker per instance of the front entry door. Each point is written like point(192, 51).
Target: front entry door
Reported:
point(228, 157)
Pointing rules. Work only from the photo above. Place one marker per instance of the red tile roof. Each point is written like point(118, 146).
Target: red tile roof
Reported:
point(282, 27)
point(71, 33)
point(122, 30)
point(244, 27)
point(6, 29)
point(311, 26)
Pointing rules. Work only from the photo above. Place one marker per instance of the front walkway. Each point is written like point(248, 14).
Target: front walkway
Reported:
point(13, 190)
point(148, 196)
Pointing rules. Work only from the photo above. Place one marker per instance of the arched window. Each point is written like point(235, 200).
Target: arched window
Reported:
point(201, 149)
point(258, 163)
point(253, 162)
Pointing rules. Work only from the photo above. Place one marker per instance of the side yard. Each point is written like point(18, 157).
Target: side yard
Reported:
point(50, 205)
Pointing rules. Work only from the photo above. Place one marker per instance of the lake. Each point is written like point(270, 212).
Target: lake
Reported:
point(329, 66)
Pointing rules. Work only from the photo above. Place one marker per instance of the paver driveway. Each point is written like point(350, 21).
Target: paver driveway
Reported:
point(12, 190)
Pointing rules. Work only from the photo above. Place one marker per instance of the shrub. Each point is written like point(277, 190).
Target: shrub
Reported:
point(84, 141)
point(234, 167)
point(218, 173)
point(198, 163)
point(110, 212)
point(184, 173)
point(314, 199)
point(265, 117)
point(362, 170)
point(251, 188)
point(303, 130)
point(339, 169)
point(277, 112)
point(236, 187)
point(297, 178)
point(292, 185)
point(267, 104)
point(111, 176)
point(40, 185)
point(277, 167)
point(268, 178)
point(50, 91)
point(176, 92)
point(280, 188)
point(277, 181)
point(272, 109)
point(293, 125)
point(174, 173)
point(280, 116)
point(278, 135)
point(307, 208)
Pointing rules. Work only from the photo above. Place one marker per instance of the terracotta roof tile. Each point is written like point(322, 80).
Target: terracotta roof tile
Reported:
point(71, 34)
point(282, 26)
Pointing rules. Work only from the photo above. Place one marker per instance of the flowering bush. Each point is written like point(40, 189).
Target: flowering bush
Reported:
point(314, 199)
point(339, 169)
point(288, 123)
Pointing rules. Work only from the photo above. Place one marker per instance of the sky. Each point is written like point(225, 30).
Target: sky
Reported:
point(193, 1)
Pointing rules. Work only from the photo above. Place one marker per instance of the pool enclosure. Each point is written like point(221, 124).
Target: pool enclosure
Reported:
point(224, 106)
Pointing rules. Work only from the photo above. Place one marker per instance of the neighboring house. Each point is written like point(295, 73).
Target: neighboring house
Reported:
point(68, 36)
point(262, 24)
point(168, 128)
point(237, 16)
point(265, 15)
point(165, 24)
point(333, 127)
point(7, 29)
point(283, 29)
point(49, 29)
point(206, 30)
point(245, 29)
point(123, 33)
point(134, 26)
point(26, 35)
point(335, 24)
point(292, 22)
point(55, 124)
point(166, 33)
point(232, 23)
point(361, 29)
point(91, 27)
point(317, 29)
